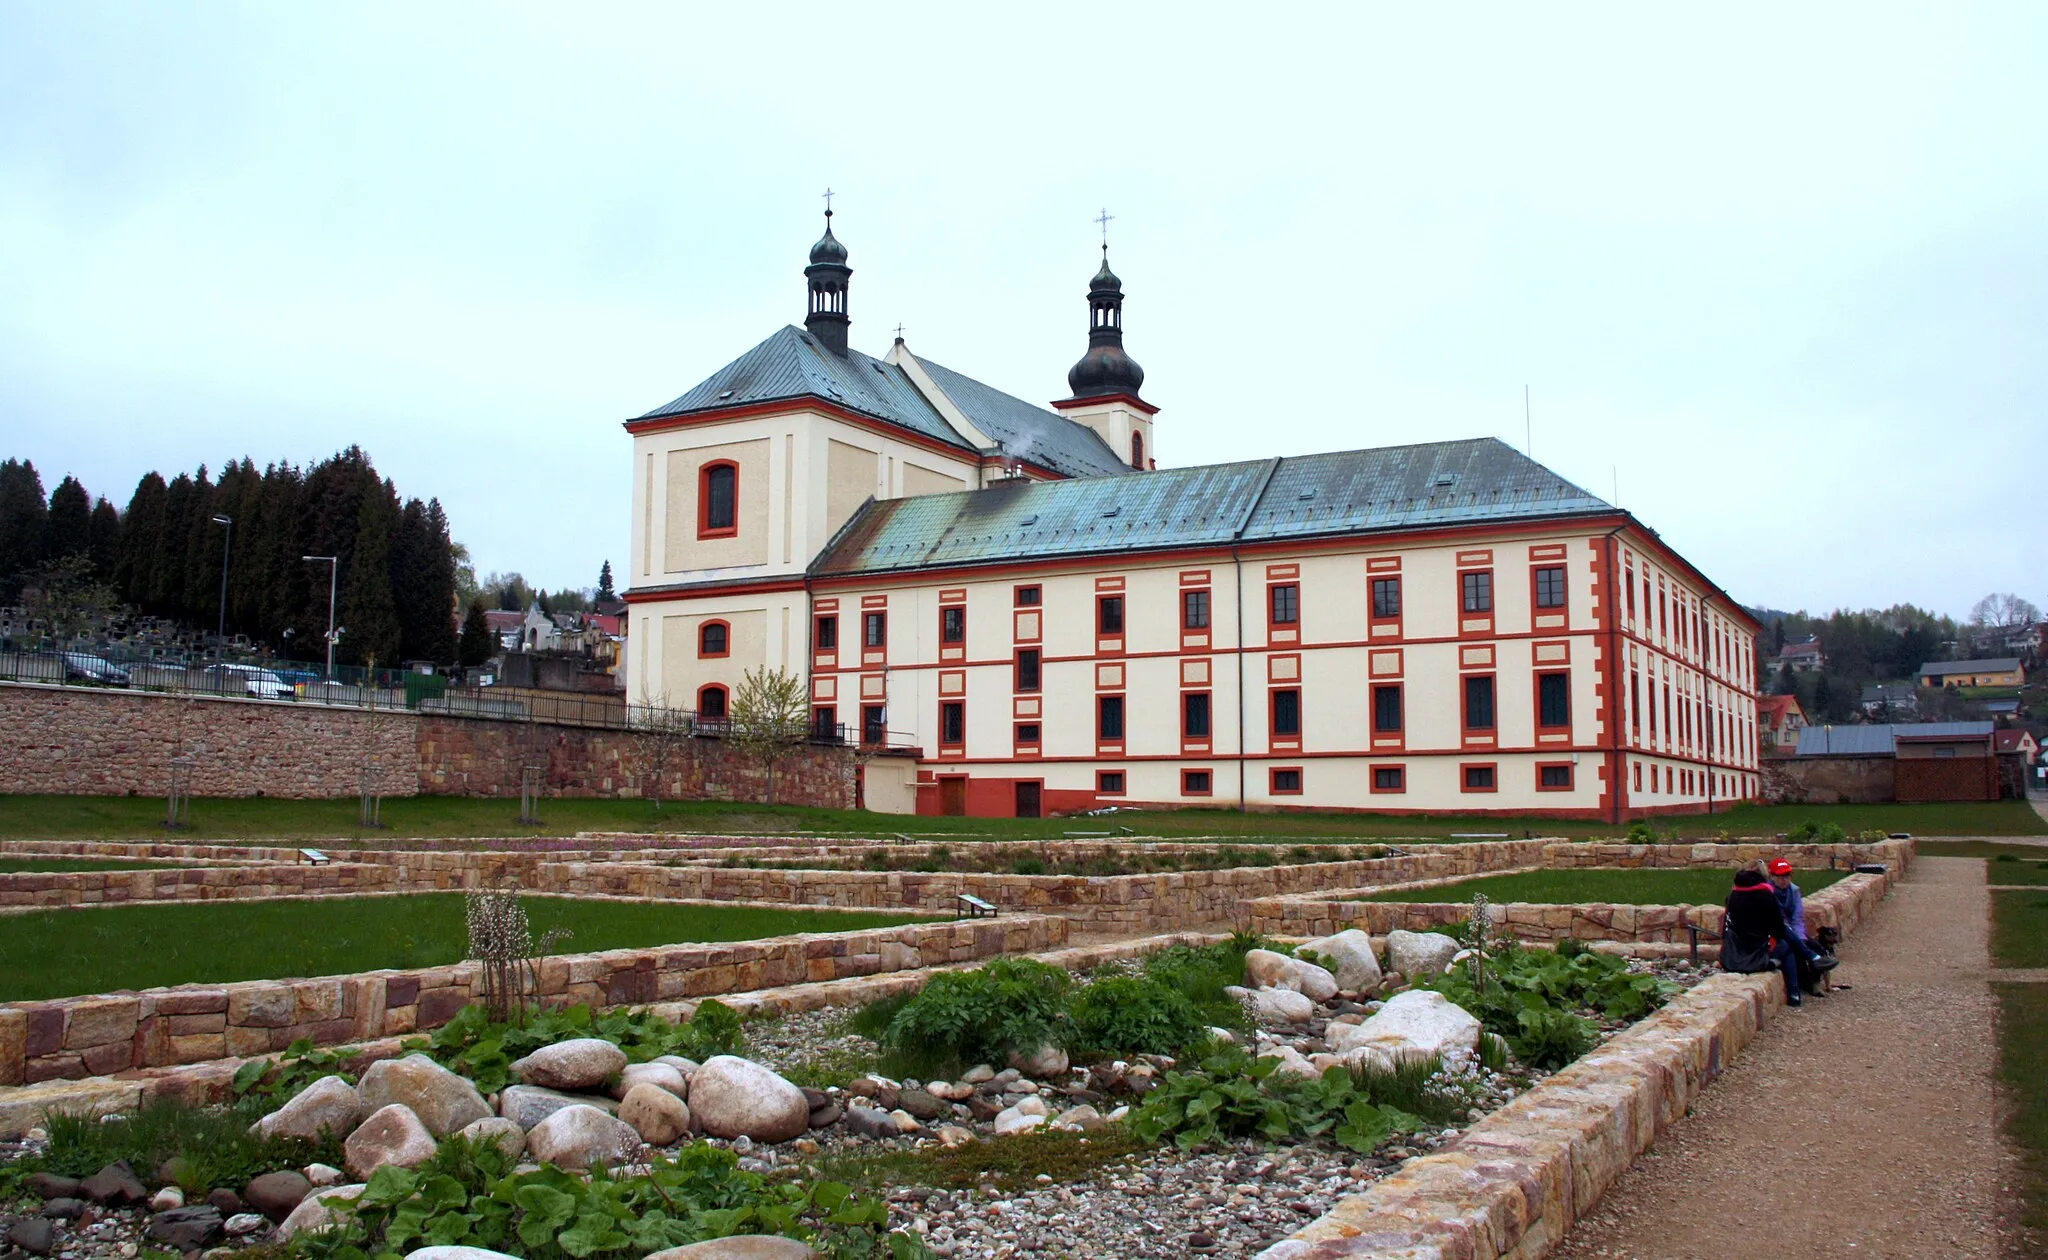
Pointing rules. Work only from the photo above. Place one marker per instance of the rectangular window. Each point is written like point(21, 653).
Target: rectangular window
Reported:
point(1477, 588)
point(1109, 782)
point(1285, 781)
point(827, 637)
point(1479, 702)
point(1554, 778)
point(875, 629)
point(1109, 614)
point(1389, 779)
point(1550, 587)
point(825, 723)
point(1286, 605)
point(953, 624)
point(952, 722)
point(1386, 597)
point(1194, 709)
point(1027, 669)
point(1478, 778)
point(1028, 596)
point(1287, 712)
point(1027, 733)
point(1194, 783)
point(1553, 700)
point(1386, 708)
point(874, 729)
point(1194, 610)
point(1109, 717)
point(719, 495)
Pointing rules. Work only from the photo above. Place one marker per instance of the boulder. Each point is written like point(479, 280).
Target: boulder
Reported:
point(1083, 1117)
point(499, 1132)
point(657, 1115)
point(1010, 1120)
point(186, 1228)
point(242, 1224)
point(53, 1186)
point(870, 1122)
point(1283, 1006)
point(314, 1214)
point(63, 1209)
point(1412, 1025)
point(328, 1105)
point(1040, 1063)
point(392, 1135)
point(528, 1105)
point(739, 1247)
point(1419, 953)
point(826, 1116)
point(226, 1200)
point(1350, 958)
point(579, 1063)
point(579, 1136)
point(661, 1075)
point(1292, 1063)
point(922, 1104)
point(116, 1184)
point(678, 1062)
point(1265, 969)
point(443, 1101)
point(275, 1194)
point(733, 1097)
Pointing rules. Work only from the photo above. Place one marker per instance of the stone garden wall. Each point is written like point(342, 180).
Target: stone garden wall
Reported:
point(108, 1033)
point(109, 742)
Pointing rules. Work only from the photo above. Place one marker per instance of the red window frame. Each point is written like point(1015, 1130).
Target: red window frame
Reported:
point(1028, 596)
point(1195, 608)
point(1400, 708)
point(824, 720)
point(826, 627)
point(1110, 783)
point(724, 701)
point(1208, 716)
point(1273, 731)
point(1273, 618)
point(1102, 606)
point(1399, 785)
point(870, 619)
point(705, 529)
point(1570, 776)
point(1465, 769)
point(704, 628)
point(1564, 589)
point(1137, 450)
point(1037, 683)
point(874, 720)
point(1028, 737)
point(1536, 698)
point(1208, 787)
point(1372, 602)
point(1273, 787)
point(954, 713)
point(1465, 726)
point(952, 617)
point(1638, 776)
point(1464, 599)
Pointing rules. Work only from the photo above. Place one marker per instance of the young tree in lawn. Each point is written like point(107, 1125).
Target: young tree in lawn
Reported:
point(477, 644)
point(69, 599)
point(768, 717)
point(661, 733)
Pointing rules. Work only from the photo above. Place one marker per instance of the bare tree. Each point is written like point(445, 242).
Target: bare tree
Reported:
point(2004, 610)
point(660, 734)
point(768, 720)
point(501, 939)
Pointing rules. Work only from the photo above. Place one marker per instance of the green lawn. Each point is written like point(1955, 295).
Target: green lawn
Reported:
point(1983, 849)
point(2020, 870)
point(15, 866)
point(1697, 886)
point(2023, 1067)
point(448, 817)
point(2019, 929)
point(57, 953)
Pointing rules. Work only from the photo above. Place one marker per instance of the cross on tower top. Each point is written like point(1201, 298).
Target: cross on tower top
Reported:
point(828, 201)
point(899, 331)
point(1104, 220)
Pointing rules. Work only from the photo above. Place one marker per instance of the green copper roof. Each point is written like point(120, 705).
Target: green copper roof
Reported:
point(1309, 496)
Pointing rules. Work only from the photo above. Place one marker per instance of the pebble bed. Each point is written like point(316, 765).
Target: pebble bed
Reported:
point(1232, 1202)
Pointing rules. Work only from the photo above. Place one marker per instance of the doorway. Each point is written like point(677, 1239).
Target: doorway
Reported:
point(1028, 800)
point(953, 797)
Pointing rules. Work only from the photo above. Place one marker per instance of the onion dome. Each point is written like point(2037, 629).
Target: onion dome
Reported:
point(1105, 369)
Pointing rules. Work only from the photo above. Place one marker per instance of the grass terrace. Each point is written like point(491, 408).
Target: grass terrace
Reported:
point(1696, 886)
point(59, 866)
point(2019, 928)
point(2023, 1066)
point(61, 953)
point(459, 818)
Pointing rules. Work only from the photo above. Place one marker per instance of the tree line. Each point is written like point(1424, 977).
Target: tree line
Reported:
point(395, 573)
point(1880, 645)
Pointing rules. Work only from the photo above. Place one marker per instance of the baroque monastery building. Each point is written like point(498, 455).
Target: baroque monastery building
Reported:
point(1049, 622)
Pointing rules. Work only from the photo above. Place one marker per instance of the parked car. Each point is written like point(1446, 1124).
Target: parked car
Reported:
point(252, 680)
point(88, 668)
point(296, 677)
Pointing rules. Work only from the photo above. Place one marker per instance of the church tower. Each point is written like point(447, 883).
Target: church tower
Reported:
point(827, 276)
point(1105, 382)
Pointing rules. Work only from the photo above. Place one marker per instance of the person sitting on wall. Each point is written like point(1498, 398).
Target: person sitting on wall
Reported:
point(1753, 933)
point(1813, 964)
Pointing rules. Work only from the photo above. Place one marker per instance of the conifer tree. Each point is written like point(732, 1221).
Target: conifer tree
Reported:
point(67, 529)
point(367, 608)
point(605, 592)
point(142, 529)
point(478, 644)
point(22, 516)
point(103, 541)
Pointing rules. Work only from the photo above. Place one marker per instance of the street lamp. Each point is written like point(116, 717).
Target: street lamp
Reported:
point(220, 634)
point(333, 567)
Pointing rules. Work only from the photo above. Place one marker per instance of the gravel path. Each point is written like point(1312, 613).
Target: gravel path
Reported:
point(1863, 1125)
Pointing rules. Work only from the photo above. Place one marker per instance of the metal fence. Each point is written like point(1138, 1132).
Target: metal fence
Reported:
point(352, 687)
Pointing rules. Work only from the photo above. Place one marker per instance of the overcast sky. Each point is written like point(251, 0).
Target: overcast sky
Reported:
point(1780, 271)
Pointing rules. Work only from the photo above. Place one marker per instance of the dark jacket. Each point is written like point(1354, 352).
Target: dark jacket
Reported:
point(1753, 916)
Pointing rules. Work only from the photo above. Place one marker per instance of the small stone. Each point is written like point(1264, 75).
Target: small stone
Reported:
point(1083, 1117)
point(657, 1115)
point(35, 1236)
point(660, 1075)
point(904, 1121)
point(115, 1184)
point(1014, 1121)
point(223, 1200)
point(1042, 1062)
point(870, 1122)
point(167, 1198)
point(63, 1209)
point(52, 1186)
point(322, 1174)
point(739, 1247)
point(275, 1194)
point(392, 1135)
point(977, 1074)
point(185, 1228)
point(500, 1132)
point(243, 1223)
point(952, 1136)
point(826, 1116)
point(314, 1214)
point(921, 1103)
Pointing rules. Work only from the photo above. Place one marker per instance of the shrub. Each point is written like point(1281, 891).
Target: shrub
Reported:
point(1028, 866)
point(1232, 1095)
point(1532, 997)
point(980, 1016)
point(275, 1084)
point(1123, 1014)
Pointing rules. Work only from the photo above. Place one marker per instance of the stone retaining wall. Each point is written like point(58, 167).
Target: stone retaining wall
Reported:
point(108, 1033)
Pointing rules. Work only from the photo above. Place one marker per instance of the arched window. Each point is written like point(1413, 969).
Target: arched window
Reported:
point(1137, 450)
point(711, 702)
point(714, 638)
point(718, 500)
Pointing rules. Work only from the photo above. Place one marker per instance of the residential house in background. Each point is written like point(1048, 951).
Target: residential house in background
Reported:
point(2004, 671)
point(1804, 657)
point(1779, 721)
point(2016, 741)
point(1885, 701)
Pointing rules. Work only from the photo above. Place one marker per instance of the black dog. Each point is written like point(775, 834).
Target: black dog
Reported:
point(1815, 979)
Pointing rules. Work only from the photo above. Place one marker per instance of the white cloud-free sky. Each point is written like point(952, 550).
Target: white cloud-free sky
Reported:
point(1780, 272)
